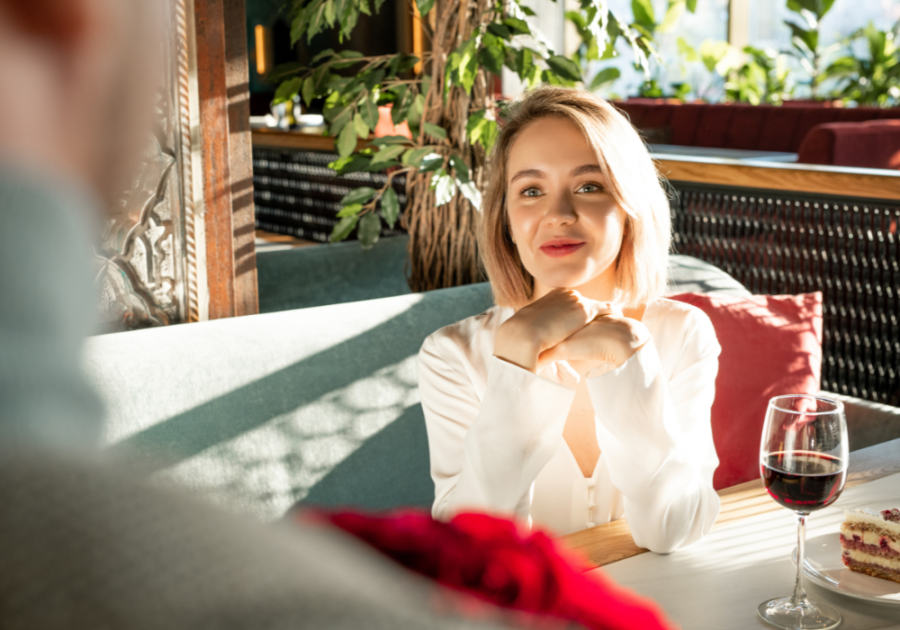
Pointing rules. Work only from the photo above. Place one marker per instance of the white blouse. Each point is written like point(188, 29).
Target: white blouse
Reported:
point(495, 431)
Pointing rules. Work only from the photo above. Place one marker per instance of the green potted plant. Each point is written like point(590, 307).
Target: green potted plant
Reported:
point(449, 105)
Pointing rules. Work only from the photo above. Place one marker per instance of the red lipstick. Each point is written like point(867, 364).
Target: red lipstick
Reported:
point(558, 247)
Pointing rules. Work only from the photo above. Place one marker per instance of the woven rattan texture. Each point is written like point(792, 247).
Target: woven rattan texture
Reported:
point(297, 194)
point(784, 243)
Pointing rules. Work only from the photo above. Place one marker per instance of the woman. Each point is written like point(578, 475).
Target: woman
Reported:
point(582, 396)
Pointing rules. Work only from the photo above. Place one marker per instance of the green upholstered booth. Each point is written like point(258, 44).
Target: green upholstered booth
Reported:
point(314, 404)
point(332, 273)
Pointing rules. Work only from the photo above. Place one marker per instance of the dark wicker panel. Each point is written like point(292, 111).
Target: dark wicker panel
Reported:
point(297, 194)
point(776, 243)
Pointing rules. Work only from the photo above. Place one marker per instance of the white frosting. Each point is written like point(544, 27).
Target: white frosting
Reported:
point(862, 556)
point(870, 538)
point(870, 517)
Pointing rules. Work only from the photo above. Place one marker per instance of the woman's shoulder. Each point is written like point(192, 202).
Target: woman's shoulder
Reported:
point(471, 330)
point(674, 320)
point(468, 338)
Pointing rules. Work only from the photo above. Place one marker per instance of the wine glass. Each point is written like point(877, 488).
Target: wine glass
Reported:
point(803, 463)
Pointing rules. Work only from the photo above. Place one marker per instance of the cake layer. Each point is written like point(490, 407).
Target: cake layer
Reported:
point(875, 570)
point(873, 519)
point(862, 556)
point(873, 549)
point(870, 537)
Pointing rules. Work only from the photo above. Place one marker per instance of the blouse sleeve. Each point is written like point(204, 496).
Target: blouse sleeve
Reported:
point(656, 435)
point(486, 453)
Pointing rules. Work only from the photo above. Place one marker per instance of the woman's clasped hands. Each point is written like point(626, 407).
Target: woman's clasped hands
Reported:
point(583, 335)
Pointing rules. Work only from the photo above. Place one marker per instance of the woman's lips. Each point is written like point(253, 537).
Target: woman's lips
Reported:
point(561, 250)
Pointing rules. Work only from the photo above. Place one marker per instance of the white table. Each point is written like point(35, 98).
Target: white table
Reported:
point(719, 582)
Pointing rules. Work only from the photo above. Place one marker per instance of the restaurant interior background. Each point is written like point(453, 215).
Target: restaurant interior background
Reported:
point(301, 223)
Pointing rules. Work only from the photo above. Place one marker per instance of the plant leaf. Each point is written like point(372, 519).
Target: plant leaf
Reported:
point(500, 30)
point(360, 195)
point(390, 207)
point(432, 162)
point(343, 228)
point(692, 6)
point(460, 168)
point(607, 75)
point(346, 141)
point(378, 142)
point(354, 163)
point(388, 152)
point(362, 129)
point(517, 26)
point(643, 13)
point(369, 229)
point(424, 6)
point(564, 67)
point(673, 14)
point(288, 90)
point(444, 187)
point(349, 211)
point(470, 191)
point(309, 92)
point(414, 157)
point(491, 56)
point(435, 131)
point(369, 111)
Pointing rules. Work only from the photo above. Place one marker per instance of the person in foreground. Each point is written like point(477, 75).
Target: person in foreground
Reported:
point(83, 544)
point(583, 396)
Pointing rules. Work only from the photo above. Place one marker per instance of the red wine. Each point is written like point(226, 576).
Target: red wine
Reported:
point(803, 481)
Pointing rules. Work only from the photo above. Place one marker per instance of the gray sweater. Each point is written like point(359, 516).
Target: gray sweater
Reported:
point(47, 308)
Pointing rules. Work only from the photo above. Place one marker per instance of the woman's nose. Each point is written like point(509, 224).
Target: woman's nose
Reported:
point(561, 211)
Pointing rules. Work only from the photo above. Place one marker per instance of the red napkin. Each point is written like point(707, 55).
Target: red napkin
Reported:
point(500, 562)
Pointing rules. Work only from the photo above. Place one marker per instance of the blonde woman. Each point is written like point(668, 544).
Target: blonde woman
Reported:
point(583, 396)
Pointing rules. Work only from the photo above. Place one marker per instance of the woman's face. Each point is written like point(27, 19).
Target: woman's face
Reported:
point(567, 227)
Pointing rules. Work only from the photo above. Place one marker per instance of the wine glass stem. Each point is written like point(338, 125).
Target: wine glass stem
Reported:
point(799, 597)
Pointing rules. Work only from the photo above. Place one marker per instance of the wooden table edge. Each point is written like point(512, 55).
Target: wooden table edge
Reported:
point(612, 542)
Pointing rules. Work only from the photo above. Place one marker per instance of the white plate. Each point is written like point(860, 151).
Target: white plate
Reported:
point(823, 566)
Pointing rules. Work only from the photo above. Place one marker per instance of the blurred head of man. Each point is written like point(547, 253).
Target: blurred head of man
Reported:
point(78, 85)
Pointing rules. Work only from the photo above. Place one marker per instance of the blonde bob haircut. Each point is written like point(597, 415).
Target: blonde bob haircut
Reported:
point(631, 178)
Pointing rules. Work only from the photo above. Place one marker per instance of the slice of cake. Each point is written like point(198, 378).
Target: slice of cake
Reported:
point(870, 543)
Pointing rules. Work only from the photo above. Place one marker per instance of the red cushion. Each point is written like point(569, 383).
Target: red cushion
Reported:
point(810, 118)
point(771, 345)
point(870, 144)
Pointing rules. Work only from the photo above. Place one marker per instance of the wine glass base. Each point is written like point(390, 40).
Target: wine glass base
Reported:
point(782, 613)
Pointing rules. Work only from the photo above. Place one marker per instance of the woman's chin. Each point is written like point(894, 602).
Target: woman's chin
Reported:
point(560, 280)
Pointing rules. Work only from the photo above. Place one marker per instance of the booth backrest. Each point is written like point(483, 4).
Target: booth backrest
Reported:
point(870, 144)
point(331, 273)
point(316, 404)
point(748, 127)
point(319, 275)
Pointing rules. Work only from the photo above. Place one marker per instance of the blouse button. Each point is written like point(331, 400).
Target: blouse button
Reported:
point(590, 505)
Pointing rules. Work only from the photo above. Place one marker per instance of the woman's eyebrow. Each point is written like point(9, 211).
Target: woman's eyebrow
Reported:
point(586, 168)
point(528, 172)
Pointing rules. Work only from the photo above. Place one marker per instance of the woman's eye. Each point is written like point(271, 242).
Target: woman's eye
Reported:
point(531, 192)
point(590, 188)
